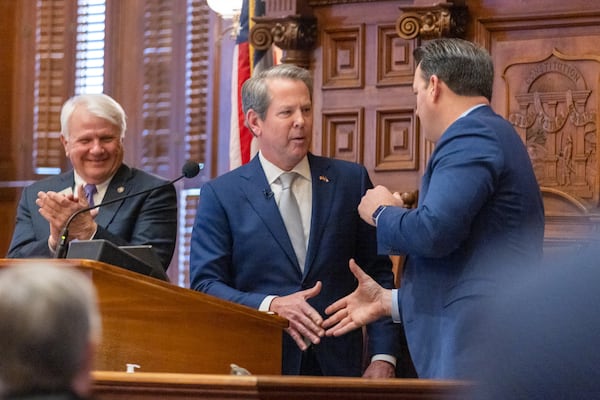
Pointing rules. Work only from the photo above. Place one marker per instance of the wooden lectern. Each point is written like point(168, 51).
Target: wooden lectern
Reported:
point(165, 328)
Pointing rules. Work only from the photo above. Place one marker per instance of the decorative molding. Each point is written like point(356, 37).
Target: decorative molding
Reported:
point(428, 149)
point(486, 28)
point(551, 106)
point(289, 25)
point(430, 22)
point(397, 141)
point(394, 61)
point(295, 35)
point(343, 65)
point(342, 134)
point(550, 97)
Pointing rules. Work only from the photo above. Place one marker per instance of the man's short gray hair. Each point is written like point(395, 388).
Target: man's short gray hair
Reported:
point(49, 317)
point(255, 91)
point(99, 105)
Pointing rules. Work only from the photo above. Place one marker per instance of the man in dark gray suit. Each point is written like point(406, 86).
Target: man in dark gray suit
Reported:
point(92, 131)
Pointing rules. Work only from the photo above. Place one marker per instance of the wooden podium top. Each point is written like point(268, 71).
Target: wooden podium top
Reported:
point(165, 328)
point(149, 386)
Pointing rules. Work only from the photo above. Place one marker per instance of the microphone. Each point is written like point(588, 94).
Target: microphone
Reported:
point(268, 193)
point(189, 170)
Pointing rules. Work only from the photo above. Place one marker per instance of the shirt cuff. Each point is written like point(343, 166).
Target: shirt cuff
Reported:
point(52, 244)
point(378, 213)
point(396, 317)
point(265, 305)
point(384, 357)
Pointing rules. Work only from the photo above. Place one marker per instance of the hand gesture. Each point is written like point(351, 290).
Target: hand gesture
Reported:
point(374, 198)
point(57, 208)
point(305, 321)
point(83, 226)
point(366, 304)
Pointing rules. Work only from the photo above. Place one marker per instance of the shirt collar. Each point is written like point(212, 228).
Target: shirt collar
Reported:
point(272, 171)
point(470, 110)
point(100, 188)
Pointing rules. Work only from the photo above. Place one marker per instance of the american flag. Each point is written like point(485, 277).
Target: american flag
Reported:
point(247, 61)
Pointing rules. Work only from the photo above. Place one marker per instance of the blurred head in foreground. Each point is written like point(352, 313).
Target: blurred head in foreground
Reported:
point(49, 330)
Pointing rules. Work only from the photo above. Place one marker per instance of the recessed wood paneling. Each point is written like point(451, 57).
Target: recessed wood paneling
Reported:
point(397, 145)
point(343, 64)
point(343, 134)
point(394, 57)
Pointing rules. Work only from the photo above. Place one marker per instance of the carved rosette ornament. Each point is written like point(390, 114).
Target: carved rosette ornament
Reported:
point(295, 35)
point(431, 22)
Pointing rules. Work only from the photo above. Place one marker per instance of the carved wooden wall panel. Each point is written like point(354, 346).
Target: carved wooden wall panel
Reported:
point(362, 64)
point(550, 103)
point(343, 134)
point(397, 140)
point(394, 57)
point(343, 61)
point(548, 88)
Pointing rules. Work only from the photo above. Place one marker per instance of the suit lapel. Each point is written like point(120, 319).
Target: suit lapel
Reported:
point(324, 182)
point(66, 183)
point(258, 193)
point(119, 186)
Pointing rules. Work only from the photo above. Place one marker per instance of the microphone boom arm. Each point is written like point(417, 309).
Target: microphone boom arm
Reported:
point(189, 170)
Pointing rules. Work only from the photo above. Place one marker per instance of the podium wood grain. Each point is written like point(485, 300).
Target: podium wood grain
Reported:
point(150, 386)
point(165, 328)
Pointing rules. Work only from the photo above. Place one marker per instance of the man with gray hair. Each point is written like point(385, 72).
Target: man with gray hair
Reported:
point(50, 329)
point(276, 234)
point(92, 131)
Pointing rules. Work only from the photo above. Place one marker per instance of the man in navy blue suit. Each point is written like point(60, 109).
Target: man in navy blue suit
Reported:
point(479, 221)
point(92, 131)
point(241, 250)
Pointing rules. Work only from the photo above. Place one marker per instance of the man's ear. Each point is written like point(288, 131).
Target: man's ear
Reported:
point(434, 87)
point(253, 122)
point(64, 143)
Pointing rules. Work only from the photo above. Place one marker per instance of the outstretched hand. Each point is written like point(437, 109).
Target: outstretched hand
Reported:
point(366, 304)
point(304, 321)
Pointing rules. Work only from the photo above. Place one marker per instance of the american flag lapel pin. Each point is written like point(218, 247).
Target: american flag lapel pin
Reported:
point(324, 178)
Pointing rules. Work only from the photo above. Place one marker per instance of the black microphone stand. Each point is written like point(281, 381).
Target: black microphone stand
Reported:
point(190, 169)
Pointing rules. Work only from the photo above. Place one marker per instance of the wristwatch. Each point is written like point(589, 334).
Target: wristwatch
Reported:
point(377, 212)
